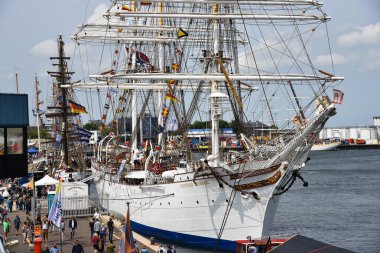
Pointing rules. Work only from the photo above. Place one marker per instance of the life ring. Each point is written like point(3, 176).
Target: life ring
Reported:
point(156, 168)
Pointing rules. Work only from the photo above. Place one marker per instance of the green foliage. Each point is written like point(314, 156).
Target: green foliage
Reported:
point(91, 126)
point(207, 124)
point(33, 133)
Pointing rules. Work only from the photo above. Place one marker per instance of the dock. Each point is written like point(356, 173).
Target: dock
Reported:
point(359, 146)
point(82, 234)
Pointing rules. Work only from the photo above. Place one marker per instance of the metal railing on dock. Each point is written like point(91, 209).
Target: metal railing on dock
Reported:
point(80, 206)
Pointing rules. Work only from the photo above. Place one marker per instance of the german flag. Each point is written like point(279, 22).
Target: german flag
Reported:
point(76, 108)
point(171, 97)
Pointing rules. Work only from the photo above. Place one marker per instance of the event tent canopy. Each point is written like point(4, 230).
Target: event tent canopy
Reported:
point(46, 180)
point(32, 150)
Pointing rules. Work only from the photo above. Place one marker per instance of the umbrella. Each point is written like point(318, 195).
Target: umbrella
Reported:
point(32, 150)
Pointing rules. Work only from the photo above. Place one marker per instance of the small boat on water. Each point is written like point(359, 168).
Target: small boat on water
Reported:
point(326, 145)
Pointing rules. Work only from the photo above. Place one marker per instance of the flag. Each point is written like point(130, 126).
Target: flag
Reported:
point(125, 8)
point(175, 66)
point(171, 97)
point(165, 112)
point(121, 167)
point(178, 51)
point(181, 33)
point(127, 244)
point(338, 96)
point(76, 108)
point(55, 213)
point(31, 184)
point(145, 2)
point(58, 138)
point(172, 124)
point(141, 58)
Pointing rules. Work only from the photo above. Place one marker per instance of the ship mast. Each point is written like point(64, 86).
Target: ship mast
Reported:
point(63, 78)
point(38, 102)
point(216, 94)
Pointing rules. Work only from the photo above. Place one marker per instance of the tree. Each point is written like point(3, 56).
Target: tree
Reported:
point(33, 133)
point(91, 126)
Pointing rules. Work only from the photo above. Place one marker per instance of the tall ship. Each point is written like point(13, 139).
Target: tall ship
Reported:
point(166, 65)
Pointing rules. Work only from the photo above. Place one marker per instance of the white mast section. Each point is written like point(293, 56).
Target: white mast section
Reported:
point(218, 77)
point(215, 100)
point(132, 51)
point(161, 65)
point(250, 2)
point(221, 16)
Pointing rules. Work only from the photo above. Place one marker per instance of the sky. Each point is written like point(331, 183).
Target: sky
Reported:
point(29, 30)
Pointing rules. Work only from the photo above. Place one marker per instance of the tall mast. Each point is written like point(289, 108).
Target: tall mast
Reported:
point(63, 78)
point(38, 113)
point(215, 93)
point(17, 83)
point(134, 92)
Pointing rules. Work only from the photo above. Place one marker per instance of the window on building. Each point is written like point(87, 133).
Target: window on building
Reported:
point(2, 140)
point(15, 141)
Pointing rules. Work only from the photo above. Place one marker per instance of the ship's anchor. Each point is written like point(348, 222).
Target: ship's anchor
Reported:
point(292, 179)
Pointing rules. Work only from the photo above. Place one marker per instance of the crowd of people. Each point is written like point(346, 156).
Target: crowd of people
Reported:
point(19, 200)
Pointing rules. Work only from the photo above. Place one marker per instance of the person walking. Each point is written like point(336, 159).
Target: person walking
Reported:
point(110, 230)
point(17, 223)
point(73, 226)
point(51, 225)
point(97, 226)
point(103, 232)
point(54, 249)
point(91, 225)
point(4, 215)
point(25, 232)
point(62, 229)
point(96, 215)
point(46, 249)
point(95, 242)
point(45, 230)
point(6, 227)
point(77, 248)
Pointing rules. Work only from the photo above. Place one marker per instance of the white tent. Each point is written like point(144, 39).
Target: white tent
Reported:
point(46, 180)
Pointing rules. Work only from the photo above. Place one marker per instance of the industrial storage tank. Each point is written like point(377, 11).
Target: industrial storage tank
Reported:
point(365, 133)
point(374, 134)
point(353, 133)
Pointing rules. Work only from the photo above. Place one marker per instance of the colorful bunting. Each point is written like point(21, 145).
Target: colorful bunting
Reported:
point(171, 97)
point(181, 33)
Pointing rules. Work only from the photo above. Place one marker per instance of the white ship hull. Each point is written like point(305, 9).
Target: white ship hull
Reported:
point(326, 146)
point(192, 213)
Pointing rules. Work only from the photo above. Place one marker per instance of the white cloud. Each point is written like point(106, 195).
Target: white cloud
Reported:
point(49, 48)
point(363, 36)
point(325, 60)
point(98, 13)
point(46, 48)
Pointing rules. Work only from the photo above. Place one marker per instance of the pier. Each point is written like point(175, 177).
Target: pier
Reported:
point(82, 234)
point(359, 146)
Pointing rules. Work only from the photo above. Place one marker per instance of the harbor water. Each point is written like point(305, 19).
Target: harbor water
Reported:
point(341, 206)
